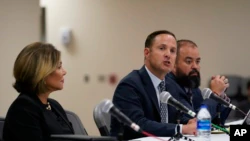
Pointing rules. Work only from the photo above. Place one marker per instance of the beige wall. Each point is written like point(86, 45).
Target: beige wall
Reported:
point(109, 35)
point(19, 26)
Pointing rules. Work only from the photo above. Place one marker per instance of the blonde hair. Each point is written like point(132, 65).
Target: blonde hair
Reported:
point(33, 64)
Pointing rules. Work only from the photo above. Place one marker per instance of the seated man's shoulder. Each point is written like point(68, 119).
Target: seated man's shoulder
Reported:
point(171, 84)
point(170, 80)
point(132, 81)
point(196, 90)
point(133, 76)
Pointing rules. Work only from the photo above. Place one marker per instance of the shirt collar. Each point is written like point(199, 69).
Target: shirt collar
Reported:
point(156, 81)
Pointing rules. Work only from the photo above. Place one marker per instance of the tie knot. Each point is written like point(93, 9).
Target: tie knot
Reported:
point(162, 86)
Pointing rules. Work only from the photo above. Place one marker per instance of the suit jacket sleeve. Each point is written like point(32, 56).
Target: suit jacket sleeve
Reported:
point(129, 99)
point(212, 108)
point(211, 104)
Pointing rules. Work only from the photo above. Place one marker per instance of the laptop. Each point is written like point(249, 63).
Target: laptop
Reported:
point(246, 120)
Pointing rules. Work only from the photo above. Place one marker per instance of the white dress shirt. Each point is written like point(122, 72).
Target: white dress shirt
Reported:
point(156, 81)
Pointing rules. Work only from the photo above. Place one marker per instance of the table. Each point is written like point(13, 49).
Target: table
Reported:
point(214, 137)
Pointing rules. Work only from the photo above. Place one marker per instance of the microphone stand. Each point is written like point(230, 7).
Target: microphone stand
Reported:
point(218, 109)
point(121, 131)
point(178, 135)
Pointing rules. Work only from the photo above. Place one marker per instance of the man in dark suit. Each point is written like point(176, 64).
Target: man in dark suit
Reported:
point(137, 94)
point(186, 82)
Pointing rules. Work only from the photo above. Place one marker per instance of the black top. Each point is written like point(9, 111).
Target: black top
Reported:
point(59, 119)
point(28, 120)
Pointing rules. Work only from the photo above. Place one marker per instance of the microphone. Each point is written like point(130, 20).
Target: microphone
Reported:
point(166, 97)
point(108, 107)
point(207, 93)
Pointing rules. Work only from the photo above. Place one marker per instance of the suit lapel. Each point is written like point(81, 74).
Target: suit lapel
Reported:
point(149, 87)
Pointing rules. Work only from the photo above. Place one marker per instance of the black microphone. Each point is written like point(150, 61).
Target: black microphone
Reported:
point(207, 93)
point(108, 107)
point(166, 97)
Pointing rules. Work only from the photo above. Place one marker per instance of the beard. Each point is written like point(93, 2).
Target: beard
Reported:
point(189, 81)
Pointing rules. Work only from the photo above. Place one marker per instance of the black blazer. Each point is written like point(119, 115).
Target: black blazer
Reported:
point(135, 96)
point(179, 94)
point(28, 120)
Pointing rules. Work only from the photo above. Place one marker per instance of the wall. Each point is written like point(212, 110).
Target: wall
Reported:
point(19, 26)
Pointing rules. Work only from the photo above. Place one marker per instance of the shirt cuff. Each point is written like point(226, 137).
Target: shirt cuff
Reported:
point(178, 127)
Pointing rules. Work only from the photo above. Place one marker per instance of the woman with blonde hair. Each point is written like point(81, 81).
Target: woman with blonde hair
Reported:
point(33, 115)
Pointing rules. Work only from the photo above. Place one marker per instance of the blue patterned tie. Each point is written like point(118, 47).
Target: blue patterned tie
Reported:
point(163, 106)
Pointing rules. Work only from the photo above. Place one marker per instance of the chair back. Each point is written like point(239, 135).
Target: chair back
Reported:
point(102, 120)
point(76, 123)
point(1, 128)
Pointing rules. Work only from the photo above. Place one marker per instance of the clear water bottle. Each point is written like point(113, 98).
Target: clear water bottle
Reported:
point(204, 124)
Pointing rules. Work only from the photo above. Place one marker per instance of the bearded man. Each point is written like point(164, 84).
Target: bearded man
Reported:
point(185, 82)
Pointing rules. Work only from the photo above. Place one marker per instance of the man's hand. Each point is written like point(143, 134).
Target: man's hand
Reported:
point(190, 127)
point(219, 84)
point(193, 120)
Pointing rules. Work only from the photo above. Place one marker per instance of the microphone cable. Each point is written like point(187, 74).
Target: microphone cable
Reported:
point(151, 135)
point(221, 128)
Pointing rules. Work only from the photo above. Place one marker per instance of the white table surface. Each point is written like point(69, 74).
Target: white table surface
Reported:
point(214, 137)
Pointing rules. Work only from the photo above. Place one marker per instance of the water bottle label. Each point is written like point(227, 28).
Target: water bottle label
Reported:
point(204, 125)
